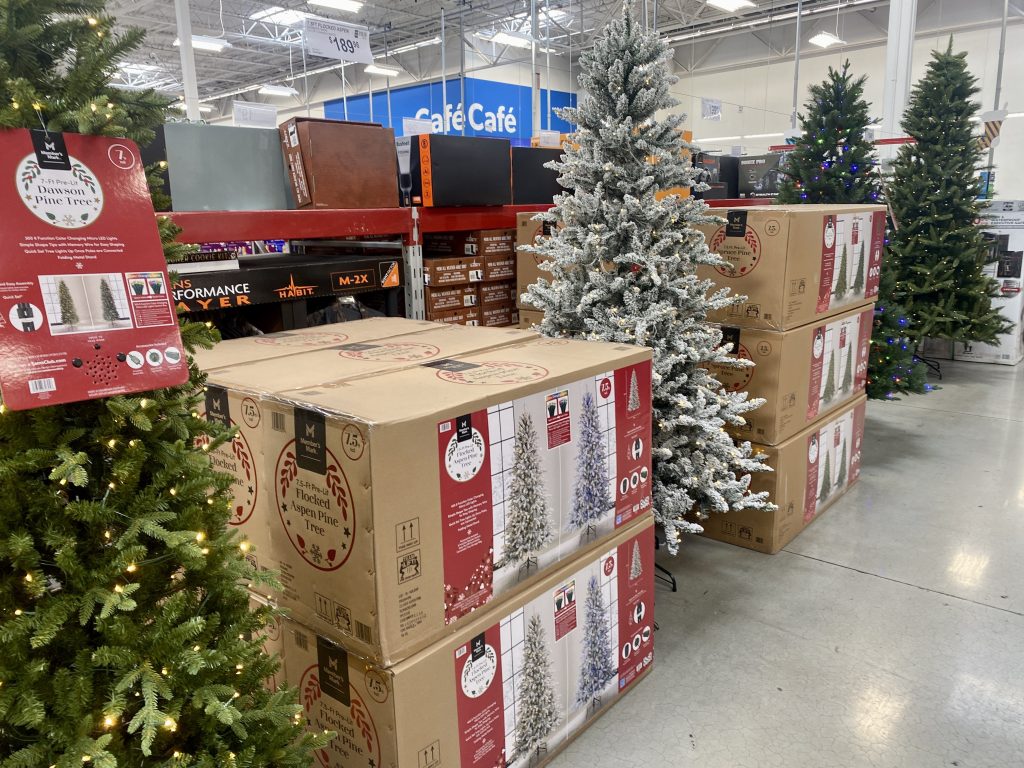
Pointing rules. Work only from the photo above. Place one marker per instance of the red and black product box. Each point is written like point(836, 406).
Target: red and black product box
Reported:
point(459, 171)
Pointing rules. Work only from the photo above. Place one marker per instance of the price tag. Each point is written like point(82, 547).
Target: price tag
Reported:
point(335, 40)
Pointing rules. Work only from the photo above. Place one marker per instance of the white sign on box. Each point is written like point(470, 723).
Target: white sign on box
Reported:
point(248, 114)
point(335, 40)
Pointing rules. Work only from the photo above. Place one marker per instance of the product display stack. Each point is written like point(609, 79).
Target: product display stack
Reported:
point(458, 514)
point(470, 277)
point(810, 274)
point(528, 266)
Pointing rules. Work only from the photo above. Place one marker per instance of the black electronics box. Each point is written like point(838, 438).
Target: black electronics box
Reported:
point(532, 183)
point(720, 173)
point(441, 171)
point(761, 175)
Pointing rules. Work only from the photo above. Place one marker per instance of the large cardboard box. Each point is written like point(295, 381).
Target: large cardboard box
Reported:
point(469, 316)
point(404, 502)
point(480, 242)
point(271, 638)
point(337, 164)
point(530, 318)
point(796, 265)
point(242, 371)
point(761, 175)
point(811, 470)
point(721, 173)
point(445, 271)
point(499, 315)
point(532, 182)
point(528, 265)
point(459, 170)
point(804, 374)
point(580, 638)
point(499, 267)
point(501, 292)
point(448, 298)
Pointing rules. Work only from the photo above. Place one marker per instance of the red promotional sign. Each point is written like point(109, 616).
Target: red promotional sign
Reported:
point(84, 296)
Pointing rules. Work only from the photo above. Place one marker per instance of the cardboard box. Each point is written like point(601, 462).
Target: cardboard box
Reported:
point(499, 267)
point(272, 640)
point(337, 164)
point(445, 299)
point(479, 242)
point(812, 470)
point(465, 316)
point(460, 703)
point(803, 374)
point(532, 182)
point(721, 173)
point(530, 318)
point(399, 499)
point(497, 293)
point(528, 265)
point(796, 265)
point(460, 170)
point(499, 315)
point(452, 270)
point(761, 175)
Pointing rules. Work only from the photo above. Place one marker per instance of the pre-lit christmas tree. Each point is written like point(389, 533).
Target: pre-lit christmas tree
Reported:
point(841, 283)
point(848, 373)
point(596, 665)
point(68, 311)
point(636, 565)
point(634, 394)
point(937, 247)
point(124, 633)
point(528, 524)
point(536, 714)
point(624, 264)
point(590, 498)
point(829, 393)
point(826, 482)
point(835, 163)
point(110, 313)
point(841, 477)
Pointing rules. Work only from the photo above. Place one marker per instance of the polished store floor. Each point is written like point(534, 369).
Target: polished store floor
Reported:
point(888, 634)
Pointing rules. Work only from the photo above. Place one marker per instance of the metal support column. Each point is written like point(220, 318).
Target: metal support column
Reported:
point(535, 74)
point(444, 78)
point(412, 255)
point(999, 83)
point(188, 59)
point(462, 68)
point(796, 66)
point(899, 56)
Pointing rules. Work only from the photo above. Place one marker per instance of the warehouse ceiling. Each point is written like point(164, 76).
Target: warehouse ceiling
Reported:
point(266, 36)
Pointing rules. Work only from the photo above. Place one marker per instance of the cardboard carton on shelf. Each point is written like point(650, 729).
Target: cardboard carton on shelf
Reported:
point(499, 267)
point(396, 515)
point(465, 316)
point(458, 170)
point(501, 292)
point(761, 175)
point(447, 271)
point(448, 298)
point(803, 374)
point(528, 265)
point(811, 470)
point(530, 318)
point(479, 242)
point(455, 703)
point(338, 164)
point(532, 182)
point(721, 173)
point(796, 265)
point(271, 638)
point(499, 315)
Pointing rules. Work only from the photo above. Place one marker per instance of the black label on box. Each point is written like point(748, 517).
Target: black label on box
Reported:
point(311, 441)
point(332, 661)
point(731, 335)
point(357, 347)
point(478, 647)
point(51, 152)
point(464, 428)
point(217, 408)
point(736, 223)
point(456, 366)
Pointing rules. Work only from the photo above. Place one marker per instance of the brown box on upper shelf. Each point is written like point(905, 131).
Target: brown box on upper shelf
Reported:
point(499, 267)
point(464, 316)
point(338, 164)
point(458, 170)
point(439, 272)
point(528, 265)
point(499, 315)
point(478, 242)
point(501, 292)
point(454, 297)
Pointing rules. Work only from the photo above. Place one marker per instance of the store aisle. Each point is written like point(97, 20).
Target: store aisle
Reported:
point(889, 633)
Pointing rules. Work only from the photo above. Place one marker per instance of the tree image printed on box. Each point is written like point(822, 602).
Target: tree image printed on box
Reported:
point(829, 393)
point(826, 479)
point(536, 714)
point(841, 477)
point(110, 313)
point(634, 393)
point(847, 384)
point(597, 657)
point(636, 282)
point(858, 282)
point(636, 566)
point(840, 290)
point(68, 311)
point(528, 524)
point(590, 500)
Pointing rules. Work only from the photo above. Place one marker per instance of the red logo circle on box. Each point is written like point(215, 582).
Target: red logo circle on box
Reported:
point(742, 254)
point(235, 458)
point(735, 379)
point(609, 566)
point(251, 413)
point(392, 352)
point(324, 713)
point(286, 339)
point(606, 388)
point(496, 372)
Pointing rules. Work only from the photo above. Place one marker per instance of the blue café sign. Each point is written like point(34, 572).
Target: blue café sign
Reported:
point(498, 110)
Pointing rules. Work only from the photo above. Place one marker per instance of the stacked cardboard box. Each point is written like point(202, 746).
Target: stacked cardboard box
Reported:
point(470, 277)
point(810, 275)
point(494, 552)
point(528, 265)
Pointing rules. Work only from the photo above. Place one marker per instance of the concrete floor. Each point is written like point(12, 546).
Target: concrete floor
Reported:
point(889, 633)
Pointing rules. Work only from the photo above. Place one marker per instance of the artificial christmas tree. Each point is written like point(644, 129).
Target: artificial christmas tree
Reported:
point(110, 313)
point(892, 367)
point(826, 481)
point(590, 500)
point(536, 715)
point(623, 269)
point(636, 566)
point(841, 477)
point(634, 394)
point(858, 282)
point(847, 384)
point(528, 526)
point(937, 248)
point(68, 312)
point(597, 667)
point(125, 638)
point(829, 392)
point(840, 290)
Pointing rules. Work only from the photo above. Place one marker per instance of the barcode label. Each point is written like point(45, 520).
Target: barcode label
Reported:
point(302, 640)
point(37, 386)
point(363, 632)
point(277, 421)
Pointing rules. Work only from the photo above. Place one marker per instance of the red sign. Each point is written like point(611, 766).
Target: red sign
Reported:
point(84, 296)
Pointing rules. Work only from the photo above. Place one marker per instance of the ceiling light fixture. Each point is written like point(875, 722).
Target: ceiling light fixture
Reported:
point(415, 46)
point(826, 40)
point(349, 6)
point(284, 17)
point(206, 43)
point(377, 69)
point(501, 37)
point(204, 109)
point(277, 90)
point(767, 20)
point(730, 6)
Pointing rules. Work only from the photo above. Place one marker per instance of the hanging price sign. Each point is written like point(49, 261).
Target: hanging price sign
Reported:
point(334, 40)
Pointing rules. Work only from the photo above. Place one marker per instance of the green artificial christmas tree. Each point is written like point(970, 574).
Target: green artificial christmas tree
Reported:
point(837, 117)
point(125, 636)
point(847, 384)
point(826, 480)
point(829, 392)
point(110, 313)
point(844, 264)
point(937, 247)
point(841, 477)
point(68, 312)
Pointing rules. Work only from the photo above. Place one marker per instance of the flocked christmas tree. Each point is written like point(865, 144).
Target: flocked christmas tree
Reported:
point(848, 373)
point(536, 714)
point(527, 525)
point(841, 283)
point(590, 499)
point(835, 163)
point(826, 479)
point(841, 477)
point(636, 565)
point(110, 313)
point(937, 248)
point(634, 394)
point(596, 666)
point(68, 311)
point(624, 266)
point(124, 633)
point(829, 393)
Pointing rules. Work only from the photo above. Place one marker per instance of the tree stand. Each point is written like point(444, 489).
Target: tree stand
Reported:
point(589, 532)
point(663, 573)
point(595, 705)
point(524, 568)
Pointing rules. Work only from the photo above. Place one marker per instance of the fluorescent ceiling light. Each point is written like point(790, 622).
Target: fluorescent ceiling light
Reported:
point(763, 135)
point(277, 90)
point(205, 43)
point(736, 26)
point(349, 6)
point(554, 16)
point(501, 37)
point(285, 17)
point(717, 139)
point(730, 6)
point(204, 109)
point(415, 46)
point(826, 40)
point(377, 69)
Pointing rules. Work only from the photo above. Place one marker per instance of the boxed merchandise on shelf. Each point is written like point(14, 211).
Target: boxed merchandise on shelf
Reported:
point(761, 175)
point(337, 164)
point(464, 316)
point(450, 298)
point(439, 271)
point(486, 446)
point(803, 374)
point(528, 265)
point(480, 242)
point(501, 292)
point(796, 265)
point(811, 470)
point(530, 318)
point(499, 315)
point(499, 266)
point(454, 171)
point(272, 640)
point(512, 686)
point(532, 182)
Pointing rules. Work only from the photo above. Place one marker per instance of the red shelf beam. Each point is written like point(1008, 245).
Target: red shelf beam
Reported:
point(457, 219)
point(741, 202)
point(219, 226)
